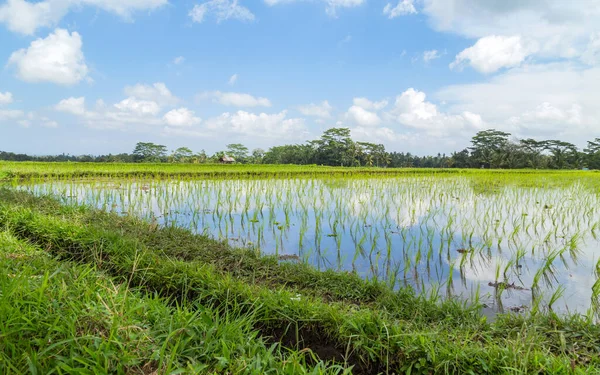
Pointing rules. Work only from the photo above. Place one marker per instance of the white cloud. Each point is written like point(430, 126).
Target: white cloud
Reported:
point(431, 55)
point(547, 120)
point(591, 55)
point(25, 17)
point(128, 112)
point(369, 105)
point(72, 105)
point(236, 99)
point(6, 98)
point(57, 58)
point(322, 110)
point(138, 107)
point(179, 60)
point(261, 125)
point(49, 124)
point(331, 6)
point(403, 7)
point(334, 5)
point(221, 10)
point(412, 110)
point(158, 93)
point(548, 100)
point(10, 114)
point(181, 117)
point(559, 28)
point(493, 52)
point(361, 116)
point(233, 79)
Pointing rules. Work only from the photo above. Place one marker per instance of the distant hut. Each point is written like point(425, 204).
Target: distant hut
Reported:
point(226, 159)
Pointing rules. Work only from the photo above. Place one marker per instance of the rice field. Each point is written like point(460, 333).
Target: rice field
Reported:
point(509, 242)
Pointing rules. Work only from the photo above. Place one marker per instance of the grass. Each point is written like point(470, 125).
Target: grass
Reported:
point(337, 317)
point(64, 317)
point(25, 170)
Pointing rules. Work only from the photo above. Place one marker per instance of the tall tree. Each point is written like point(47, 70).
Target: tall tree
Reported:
point(238, 151)
point(488, 147)
point(335, 147)
point(563, 154)
point(182, 155)
point(592, 154)
point(149, 152)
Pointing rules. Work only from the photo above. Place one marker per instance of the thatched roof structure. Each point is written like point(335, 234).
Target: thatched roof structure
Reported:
point(226, 159)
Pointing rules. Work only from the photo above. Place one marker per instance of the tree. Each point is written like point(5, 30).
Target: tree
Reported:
point(199, 157)
point(533, 150)
point(149, 152)
point(460, 159)
point(592, 154)
point(182, 155)
point(563, 154)
point(335, 148)
point(289, 154)
point(238, 151)
point(488, 147)
point(257, 156)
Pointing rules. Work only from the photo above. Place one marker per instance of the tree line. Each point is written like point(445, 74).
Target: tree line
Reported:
point(489, 149)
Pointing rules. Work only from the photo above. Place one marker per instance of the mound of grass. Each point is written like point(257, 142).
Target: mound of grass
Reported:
point(61, 317)
point(376, 332)
point(31, 170)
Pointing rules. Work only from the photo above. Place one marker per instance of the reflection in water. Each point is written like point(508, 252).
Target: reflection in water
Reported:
point(506, 244)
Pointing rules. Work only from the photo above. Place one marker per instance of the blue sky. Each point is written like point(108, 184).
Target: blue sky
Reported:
point(97, 76)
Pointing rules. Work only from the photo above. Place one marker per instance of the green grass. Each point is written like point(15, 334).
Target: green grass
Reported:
point(62, 317)
point(337, 316)
point(25, 170)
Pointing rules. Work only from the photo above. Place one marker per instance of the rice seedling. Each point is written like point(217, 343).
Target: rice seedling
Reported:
point(404, 224)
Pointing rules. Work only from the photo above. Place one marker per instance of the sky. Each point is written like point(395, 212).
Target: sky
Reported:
point(419, 76)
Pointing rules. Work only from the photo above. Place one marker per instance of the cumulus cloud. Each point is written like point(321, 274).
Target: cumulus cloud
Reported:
point(72, 105)
point(138, 107)
point(6, 98)
point(25, 17)
point(157, 92)
point(261, 125)
point(331, 6)
point(411, 109)
point(431, 55)
point(403, 8)
point(235, 99)
point(534, 100)
point(591, 55)
point(369, 105)
point(322, 110)
point(47, 123)
point(58, 58)
point(130, 111)
point(546, 119)
point(221, 10)
point(361, 116)
point(181, 117)
point(494, 52)
point(10, 114)
point(559, 28)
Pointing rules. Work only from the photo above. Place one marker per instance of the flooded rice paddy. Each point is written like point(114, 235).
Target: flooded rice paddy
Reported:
point(510, 245)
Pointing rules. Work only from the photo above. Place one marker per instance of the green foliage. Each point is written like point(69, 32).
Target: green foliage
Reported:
point(149, 152)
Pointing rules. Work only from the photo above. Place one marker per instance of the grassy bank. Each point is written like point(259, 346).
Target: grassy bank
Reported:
point(339, 317)
point(64, 317)
point(25, 170)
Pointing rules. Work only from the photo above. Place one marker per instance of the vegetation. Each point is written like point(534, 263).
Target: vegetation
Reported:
point(64, 317)
point(145, 298)
point(490, 149)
